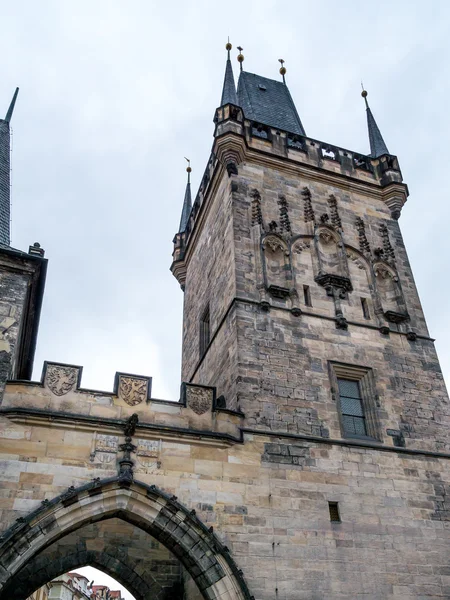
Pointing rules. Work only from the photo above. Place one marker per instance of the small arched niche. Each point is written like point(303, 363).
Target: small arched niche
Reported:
point(361, 304)
point(277, 272)
point(390, 293)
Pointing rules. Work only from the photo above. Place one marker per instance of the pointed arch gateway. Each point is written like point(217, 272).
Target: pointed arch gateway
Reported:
point(206, 559)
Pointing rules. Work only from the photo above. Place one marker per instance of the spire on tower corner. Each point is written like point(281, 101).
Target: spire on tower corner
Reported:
point(187, 203)
point(377, 145)
point(229, 95)
point(11, 106)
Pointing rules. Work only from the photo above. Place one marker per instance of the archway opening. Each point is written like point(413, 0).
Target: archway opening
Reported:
point(136, 533)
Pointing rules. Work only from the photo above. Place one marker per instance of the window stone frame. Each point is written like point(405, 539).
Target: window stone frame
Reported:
point(369, 397)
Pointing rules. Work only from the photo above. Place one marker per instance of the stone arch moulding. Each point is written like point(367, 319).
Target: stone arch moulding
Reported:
point(199, 550)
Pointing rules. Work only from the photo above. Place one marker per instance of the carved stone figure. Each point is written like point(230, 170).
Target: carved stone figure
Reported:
point(130, 425)
point(133, 390)
point(61, 380)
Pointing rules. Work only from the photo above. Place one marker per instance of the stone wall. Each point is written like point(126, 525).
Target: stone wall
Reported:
point(267, 500)
point(13, 294)
point(210, 282)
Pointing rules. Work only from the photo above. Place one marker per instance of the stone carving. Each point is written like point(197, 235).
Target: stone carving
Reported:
point(199, 399)
point(308, 209)
point(356, 259)
point(362, 238)
point(385, 273)
point(326, 236)
point(61, 380)
point(285, 224)
point(133, 390)
point(335, 218)
point(130, 425)
point(388, 250)
point(256, 208)
point(106, 443)
point(274, 243)
point(148, 447)
point(300, 246)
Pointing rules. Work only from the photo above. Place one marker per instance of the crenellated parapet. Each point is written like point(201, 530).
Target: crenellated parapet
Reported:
point(60, 398)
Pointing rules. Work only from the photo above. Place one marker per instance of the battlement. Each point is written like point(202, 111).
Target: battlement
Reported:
point(236, 141)
point(59, 396)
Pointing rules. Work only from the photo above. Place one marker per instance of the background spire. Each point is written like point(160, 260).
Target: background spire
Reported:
point(5, 174)
point(377, 145)
point(229, 95)
point(187, 203)
point(11, 106)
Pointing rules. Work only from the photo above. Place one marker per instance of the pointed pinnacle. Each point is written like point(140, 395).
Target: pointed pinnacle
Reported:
point(11, 106)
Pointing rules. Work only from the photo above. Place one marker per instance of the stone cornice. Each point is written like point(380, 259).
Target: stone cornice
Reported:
point(61, 420)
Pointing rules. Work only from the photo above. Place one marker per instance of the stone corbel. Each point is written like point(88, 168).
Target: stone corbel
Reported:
point(230, 151)
point(395, 197)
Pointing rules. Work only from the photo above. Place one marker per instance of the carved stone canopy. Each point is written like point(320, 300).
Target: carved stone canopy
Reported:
point(396, 317)
point(278, 292)
point(329, 280)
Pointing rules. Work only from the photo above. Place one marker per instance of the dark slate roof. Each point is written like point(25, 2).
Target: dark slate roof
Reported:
point(187, 205)
point(229, 89)
point(377, 145)
point(268, 102)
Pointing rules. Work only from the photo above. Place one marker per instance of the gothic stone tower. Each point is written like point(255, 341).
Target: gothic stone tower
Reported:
point(300, 307)
point(22, 281)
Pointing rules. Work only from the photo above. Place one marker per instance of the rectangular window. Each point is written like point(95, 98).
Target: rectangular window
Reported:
point(333, 507)
point(365, 308)
point(205, 331)
point(352, 410)
point(354, 391)
point(307, 295)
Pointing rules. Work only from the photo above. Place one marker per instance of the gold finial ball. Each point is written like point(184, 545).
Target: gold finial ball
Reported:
point(364, 94)
point(240, 57)
point(283, 70)
point(228, 46)
point(188, 169)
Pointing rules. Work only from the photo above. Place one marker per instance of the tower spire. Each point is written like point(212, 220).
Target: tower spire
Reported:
point(377, 145)
point(187, 204)
point(11, 106)
point(5, 166)
point(229, 95)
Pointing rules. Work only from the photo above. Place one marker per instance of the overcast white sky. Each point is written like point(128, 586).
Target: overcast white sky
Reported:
point(114, 94)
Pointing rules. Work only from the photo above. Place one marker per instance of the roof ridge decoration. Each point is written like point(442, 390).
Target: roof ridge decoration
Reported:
point(377, 145)
point(229, 95)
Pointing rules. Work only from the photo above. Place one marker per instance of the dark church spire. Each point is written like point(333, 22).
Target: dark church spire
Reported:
point(5, 166)
point(377, 145)
point(187, 204)
point(229, 95)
